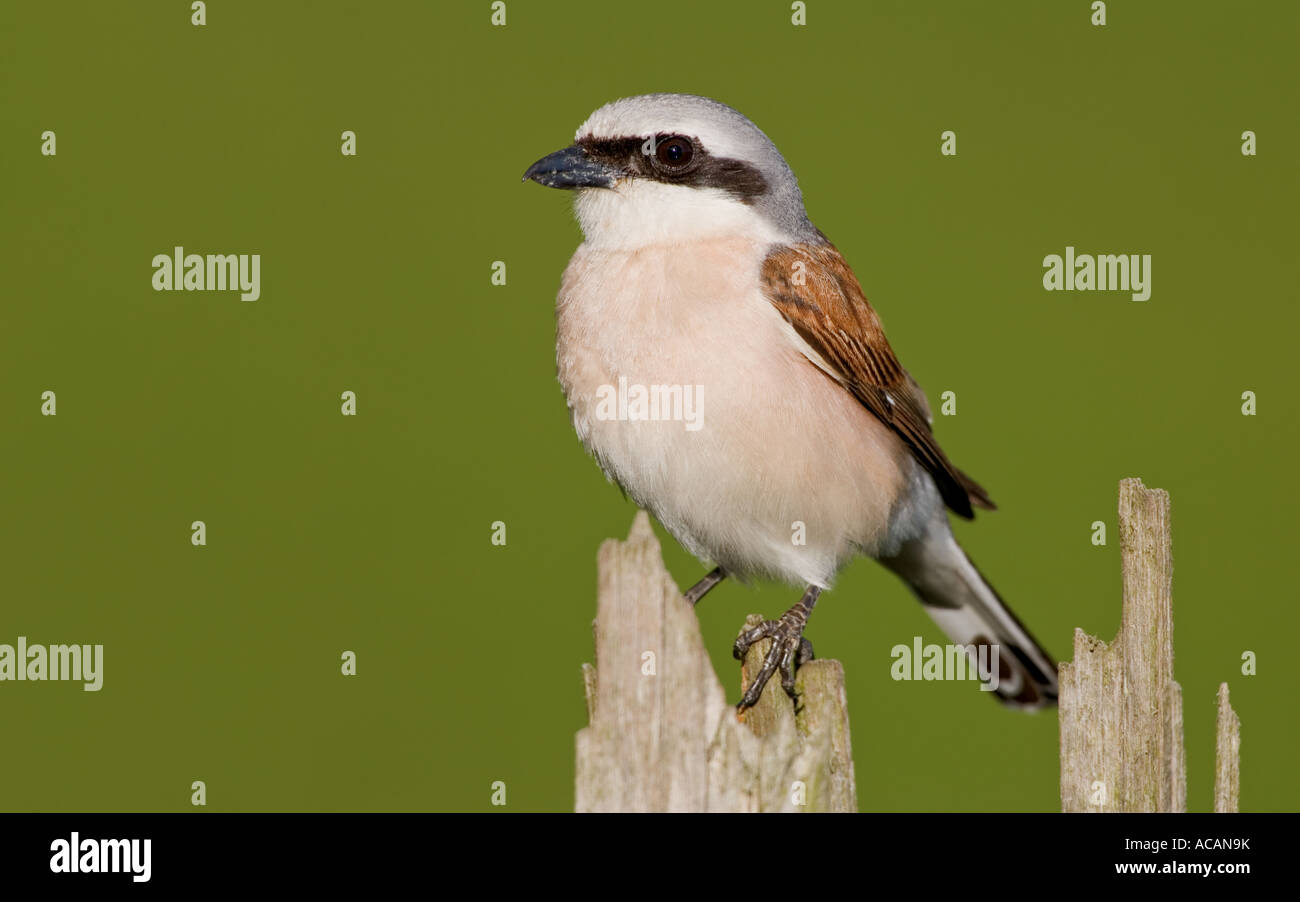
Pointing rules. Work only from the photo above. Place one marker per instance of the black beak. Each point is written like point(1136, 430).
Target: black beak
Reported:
point(572, 168)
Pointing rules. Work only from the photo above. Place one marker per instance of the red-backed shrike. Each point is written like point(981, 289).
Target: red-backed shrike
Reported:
point(700, 272)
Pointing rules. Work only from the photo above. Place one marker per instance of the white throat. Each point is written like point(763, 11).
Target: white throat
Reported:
point(638, 213)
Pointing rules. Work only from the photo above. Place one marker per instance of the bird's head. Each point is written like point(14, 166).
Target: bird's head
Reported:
point(666, 168)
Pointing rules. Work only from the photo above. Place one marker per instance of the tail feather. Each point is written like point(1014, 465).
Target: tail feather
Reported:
point(971, 613)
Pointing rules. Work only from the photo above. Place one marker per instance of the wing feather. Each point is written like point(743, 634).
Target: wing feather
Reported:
point(817, 294)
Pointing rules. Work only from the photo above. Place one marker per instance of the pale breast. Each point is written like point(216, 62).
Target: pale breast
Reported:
point(749, 455)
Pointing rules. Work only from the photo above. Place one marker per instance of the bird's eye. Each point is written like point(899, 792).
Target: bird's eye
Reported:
point(674, 152)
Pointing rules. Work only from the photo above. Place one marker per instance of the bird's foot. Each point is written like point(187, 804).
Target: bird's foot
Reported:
point(789, 651)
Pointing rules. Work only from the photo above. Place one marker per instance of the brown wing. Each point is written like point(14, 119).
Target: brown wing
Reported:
point(822, 300)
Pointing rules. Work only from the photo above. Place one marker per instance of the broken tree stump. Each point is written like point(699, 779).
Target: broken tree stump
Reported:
point(661, 734)
point(1121, 712)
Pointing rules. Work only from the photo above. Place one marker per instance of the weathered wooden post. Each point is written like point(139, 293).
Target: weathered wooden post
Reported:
point(1121, 713)
point(1227, 756)
point(662, 736)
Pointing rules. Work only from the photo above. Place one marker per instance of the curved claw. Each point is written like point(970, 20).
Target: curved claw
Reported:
point(745, 640)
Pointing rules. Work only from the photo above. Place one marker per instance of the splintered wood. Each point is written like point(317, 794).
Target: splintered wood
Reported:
point(1121, 712)
point(662, 736)
point(1227, 756)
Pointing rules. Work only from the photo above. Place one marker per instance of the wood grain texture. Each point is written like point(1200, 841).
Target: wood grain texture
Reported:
point(1121, 713)
point(1227, 757)
point(662, 735)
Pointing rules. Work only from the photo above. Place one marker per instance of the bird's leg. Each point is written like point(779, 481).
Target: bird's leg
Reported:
point(700, 589)
point(789, 650)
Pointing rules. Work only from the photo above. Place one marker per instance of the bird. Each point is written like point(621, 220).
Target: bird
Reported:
point(700, 271)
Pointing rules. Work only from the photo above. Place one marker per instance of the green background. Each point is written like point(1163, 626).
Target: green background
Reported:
point(372, 533)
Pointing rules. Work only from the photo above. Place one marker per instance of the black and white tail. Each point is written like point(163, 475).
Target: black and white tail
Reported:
point(971, 613)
